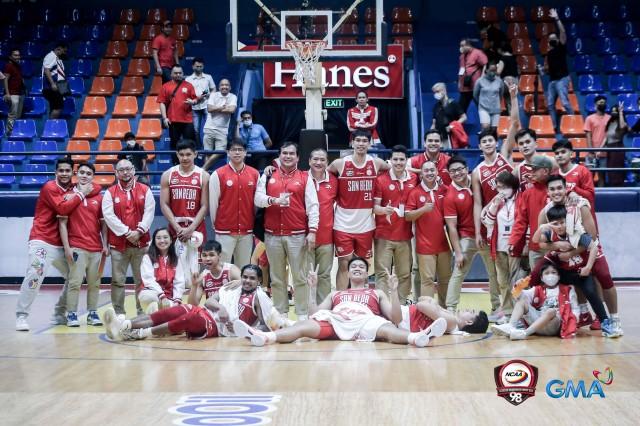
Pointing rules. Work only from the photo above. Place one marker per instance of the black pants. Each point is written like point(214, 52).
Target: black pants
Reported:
point(178, 131)
point(465, 100)
point(588, 287)
point(166, 74)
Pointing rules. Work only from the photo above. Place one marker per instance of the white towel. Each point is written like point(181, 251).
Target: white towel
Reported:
point(229, 298)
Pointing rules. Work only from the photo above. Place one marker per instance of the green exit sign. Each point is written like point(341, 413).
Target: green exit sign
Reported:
point(333, 103)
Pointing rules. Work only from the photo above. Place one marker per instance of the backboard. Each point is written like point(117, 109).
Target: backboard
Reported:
point(259, 29)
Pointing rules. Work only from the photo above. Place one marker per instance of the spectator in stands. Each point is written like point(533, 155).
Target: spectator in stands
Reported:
point(221, 106)
point(445, 111)
point(492, 38)
point(53, 76)
point(595, 127)
point(165, 52)
point(364, 117)
point(128, 208)
point(556, 67)
point(175, 99)
point(507, 70)
point(487, 93)
point(615, 131)
point(255, 138)
point(134, 153)
point(204, 85)
point(13, 88)
point(472, 62)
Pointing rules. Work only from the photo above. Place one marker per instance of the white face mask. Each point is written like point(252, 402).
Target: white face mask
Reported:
point(247, 122)
point(438, 96)
point(551, 280)
point(461, 50)
point(507, 192)
point(131, 143)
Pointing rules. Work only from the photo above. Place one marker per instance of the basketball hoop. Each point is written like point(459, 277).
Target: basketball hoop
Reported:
point(306, 54)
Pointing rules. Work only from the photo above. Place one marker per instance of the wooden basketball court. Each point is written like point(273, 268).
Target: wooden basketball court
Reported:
point(57, 375)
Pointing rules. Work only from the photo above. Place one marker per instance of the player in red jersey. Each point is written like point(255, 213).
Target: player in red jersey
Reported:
point(215, 275)
point(246, 302)
point(527, 145)
point(57, 198)
point(184, 200)
point(420, 316)
point(432, 152)
point(354, 224)
point(359, 313)
point(579, 179)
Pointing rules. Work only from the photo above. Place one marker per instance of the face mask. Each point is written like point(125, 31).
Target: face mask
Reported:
point(601, 107)
point(551, 280)
point(491, 76)
point(131, 143)
point(553, 43)
point(615, 115)
point(462, 50)
point(507, 192)
point(247, 123)
point(438, 96)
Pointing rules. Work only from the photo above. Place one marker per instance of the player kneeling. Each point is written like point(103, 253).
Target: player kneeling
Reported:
point(359, 313)
point(423, 314)
point(550, 309)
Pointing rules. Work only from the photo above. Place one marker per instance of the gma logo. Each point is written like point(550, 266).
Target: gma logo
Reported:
point(557, 389)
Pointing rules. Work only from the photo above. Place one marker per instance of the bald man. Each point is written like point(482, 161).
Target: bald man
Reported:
point(220, 107)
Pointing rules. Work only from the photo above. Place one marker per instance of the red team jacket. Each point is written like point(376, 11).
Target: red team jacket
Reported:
point(232, 197)
point(128, 206)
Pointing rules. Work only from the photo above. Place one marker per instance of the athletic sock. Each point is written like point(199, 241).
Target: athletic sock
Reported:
point(417, 339)
point(584, 308)
point(145, 332)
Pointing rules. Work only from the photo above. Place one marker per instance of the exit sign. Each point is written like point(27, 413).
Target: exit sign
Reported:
point(333, 103)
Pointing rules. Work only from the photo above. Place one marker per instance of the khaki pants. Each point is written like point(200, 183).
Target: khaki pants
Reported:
point(323, 256)
point(15, 111)
point(432, 266)
point(120, 261)
point(238, 247)
point(534, 257)
point(86, 265)
point(469, 251)
point(396, 254)
point(291, 249)
point(41, 257)
point(508, 272)
point(214, 139)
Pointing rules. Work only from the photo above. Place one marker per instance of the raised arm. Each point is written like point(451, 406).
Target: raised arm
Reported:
point(477, 207)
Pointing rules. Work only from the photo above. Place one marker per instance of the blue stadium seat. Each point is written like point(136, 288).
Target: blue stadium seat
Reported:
point(27, 69)
point(96, 32)
point(630, 102)
point(628, 30)
point(76, 85)
point(81, 68)
point(55, 129)
point(578, 46)
point(36, 87)
point(608, 46)
point(34, 107)
point(66, 33)
point(635, 64)
point(20, 16)
point(1, 129)
point(577, 30)
point(570, 13)
point(635, 143)
point(603, 29)
point(32, 50)
point(23, 130)
point(50, 16)
point(12, 32)
point(632, 46)
point(620, 83)
point(589, 83)
point(39, 33)
point(45, 146)
point(597, 13)
point(87, 49)
point(75, 16)
point(613, 64)
point(4, 109)
point(590, 102)
point(34, 180)
point(632, 119)
point(7, 180)
point(69, 107)
point(623, 13)
point(584, 64)
point(12, 146)
point(101, 16)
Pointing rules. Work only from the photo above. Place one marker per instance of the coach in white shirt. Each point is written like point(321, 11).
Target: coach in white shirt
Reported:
point(221, 106)
point(204, 85)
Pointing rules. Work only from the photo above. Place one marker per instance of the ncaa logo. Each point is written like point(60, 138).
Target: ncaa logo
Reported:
point(174, 181)
point(194, 181)
point(516, 381)
point(272, 180)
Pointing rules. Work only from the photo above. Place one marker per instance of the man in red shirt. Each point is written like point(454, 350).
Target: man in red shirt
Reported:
point(425, 207)
point(327, 188)
point(432, 152)
point(579, 179)
point(84, 238)
point(472, 62)
point(13, 88)
point(57, 197)
point(393, 233)
point(165, 52)
point(232, 188)
point(290, 223)
point(175, 99)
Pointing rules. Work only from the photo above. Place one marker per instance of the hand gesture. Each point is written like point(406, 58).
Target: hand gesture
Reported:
point(392, 282)
point(388, 209)
point(268, 171)
point(513, 90)
point(553, 13)
point(312, 276)
point(196, 279)
point(310, 241)
point(223, 315)
point(428, 207)
point(459, 260)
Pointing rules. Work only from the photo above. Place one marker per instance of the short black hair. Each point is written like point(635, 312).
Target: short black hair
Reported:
point(509, 180)
point(176, 66)
point(88, 165)
point(364, 133)
point(546, 265)
point(556, 178)
point(212, 245)
point(246, 111)
point(319, 149)
point(432, 132)
point(523, 132)
point(599, 97)
point(236, 142)
point(479, 325)
point(129, 135)
point(456, 159)
point(488, 132)
point(355, 258)
point(14, 49)
point(287, 144)
point(186, 144)
point(253, 267)
point(362, 91)
point(197, 59)
point(562, 143)
point(64, 160)
point(399, 148)
point(62, 44)
point(556, 212)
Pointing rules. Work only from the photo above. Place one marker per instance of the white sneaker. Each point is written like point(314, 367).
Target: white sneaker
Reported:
point(518, 335)
point(112, 325)
point(242, 329)
point(502, 329)
point(135, 334)
point(21, 323)
point(437, 329)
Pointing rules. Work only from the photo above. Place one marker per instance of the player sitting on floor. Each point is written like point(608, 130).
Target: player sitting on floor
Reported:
point(549, 309)
point(420, 316)
point(358, 313)
point(214, 276)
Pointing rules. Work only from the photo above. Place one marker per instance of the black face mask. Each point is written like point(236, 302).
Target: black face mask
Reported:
point(615, 115)
point(553, 43)
point(601, 107)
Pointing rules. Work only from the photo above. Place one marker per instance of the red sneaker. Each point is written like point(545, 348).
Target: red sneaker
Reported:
point(584, 319)
point(595, 325)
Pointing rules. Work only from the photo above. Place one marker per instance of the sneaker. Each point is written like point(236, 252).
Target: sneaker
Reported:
point(242, 329)
point(502, 329)
point(518, 335)
point(437, 329)
point(72, 320)
point(495, 316)
point(584, 319)
point(58, 319)
point(93, 319)
point(112, 324)
point(618, 326)
point(135, 334)
point(504, 319)
point(21, 323)
point(608, 329)
point(595, 325)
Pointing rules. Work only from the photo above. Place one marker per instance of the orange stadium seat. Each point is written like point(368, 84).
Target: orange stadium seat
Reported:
point(126, 106)
point(406, 42)
point(151, 107)
point(514, 14)
point(149, 32)
point(401, 14)
point(540, 14)
point(149, 128)
point(129, 16)
point(94, 106)
point(108, 145)
point(109, 68)
point(529, 106)
point(543, 125)
point(573, 100)
point(180, 32)
point(117, 49)
point(487, 14)
point(183, 16)
point(526, 84)
point(143, 49)
point(123, 32)
point(527, 64)
point(402, 29)
point(78, 146)
point(86, 128)
point(543, 29)
point(132, 86)
point(572, 125)
point(148, 145)
point(116, 128)
point(546, 143)
point(139, 67)
point(503, 126)
point(579, 143)
point(156, 85)
point(370, 15)
point(156, 16)
point(517, 30)
point(104, 180)
point(521, 46)
point(102, 86)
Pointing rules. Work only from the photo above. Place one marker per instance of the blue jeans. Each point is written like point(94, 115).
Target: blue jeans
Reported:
point(558, 88)
point(199, 117)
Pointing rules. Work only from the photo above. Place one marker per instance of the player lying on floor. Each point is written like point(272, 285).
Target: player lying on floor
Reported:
point(420, 316)
point(246, 302)
point(548, 309)
point(358, 313)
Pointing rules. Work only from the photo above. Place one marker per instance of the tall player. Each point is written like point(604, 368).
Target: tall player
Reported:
point(432, 152)
point(184, 199)
point(579, 179)
point(353, 223)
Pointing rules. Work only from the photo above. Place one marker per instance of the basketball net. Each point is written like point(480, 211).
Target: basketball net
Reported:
point(306, 53)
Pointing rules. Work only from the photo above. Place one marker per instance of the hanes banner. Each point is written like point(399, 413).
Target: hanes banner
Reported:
point(381, 79)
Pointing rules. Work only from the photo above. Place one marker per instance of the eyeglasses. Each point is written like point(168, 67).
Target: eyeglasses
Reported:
point(457, 170)
point(237, 150)
point(125, 169)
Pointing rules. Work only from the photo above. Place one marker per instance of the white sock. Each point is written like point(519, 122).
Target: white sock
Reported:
point(584, 308)
point(615, 316)
point(146, 332)
point(529, 331)
point(126, 325)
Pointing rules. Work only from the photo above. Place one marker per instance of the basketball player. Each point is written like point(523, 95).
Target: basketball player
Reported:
point(359, 313)
point(215, 275)
point(432, 152)
point(578, 178)
point(420, 316)
point(184, 199)
point(354, 224)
